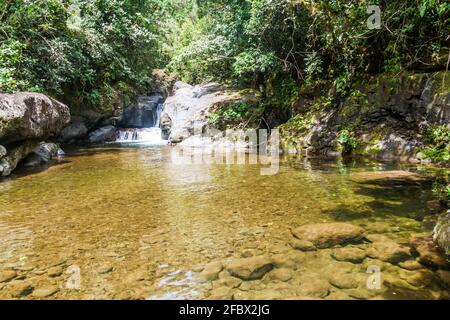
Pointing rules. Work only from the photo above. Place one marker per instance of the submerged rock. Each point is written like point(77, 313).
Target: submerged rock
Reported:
point(20, 289)
point(428, 253)
point(211, 271)
point(303, 245)
point(444, 277)
point(250, 268)
point(221, 293)
point(410, 265)
point(417, 278)
point(7, 275)
point(104, 269)
point(45, 292)
point(394, 177)
point(55, 271)
point(325, 235)
point(389, 251)
point(343, 280)
point(314, 287)
point(354, 255)
point(282, 274)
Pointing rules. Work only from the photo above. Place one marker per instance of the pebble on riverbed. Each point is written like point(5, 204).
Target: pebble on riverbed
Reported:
point(45, 292)
point(389, 251)
point(211, 271)
point(354, 255)
point(105, 269)
point(326, 235)
point(303, 245)
point(7, 275)
point(20, 289)
point(343, 280)
point(250, 268)
point(282, 274)
point(55, 271)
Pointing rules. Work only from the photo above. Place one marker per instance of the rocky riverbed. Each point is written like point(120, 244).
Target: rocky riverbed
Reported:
point(117, 223)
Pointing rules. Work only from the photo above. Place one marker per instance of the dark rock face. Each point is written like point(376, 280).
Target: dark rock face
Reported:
point(387, 117)
point(25, 116)
point(441, 233)
point(102, 135)
point(41, 154)
point(75, 131)
point(15, 154)
point(141, 114)
point(2, 151)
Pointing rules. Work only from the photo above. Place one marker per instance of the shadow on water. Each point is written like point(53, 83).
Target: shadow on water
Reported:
point(401, 197)
point(22, 171)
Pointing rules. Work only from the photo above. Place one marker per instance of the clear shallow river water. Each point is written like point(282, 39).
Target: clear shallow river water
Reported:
point(129, 223)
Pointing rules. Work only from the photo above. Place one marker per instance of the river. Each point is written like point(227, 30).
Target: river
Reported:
point(135, 223)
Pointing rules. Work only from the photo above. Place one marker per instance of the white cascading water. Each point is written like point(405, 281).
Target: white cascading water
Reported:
point(147, 136)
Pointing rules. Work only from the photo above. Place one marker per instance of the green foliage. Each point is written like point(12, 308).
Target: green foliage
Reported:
point(98, 52)
point(347, 141)
point(240, 115)
point(256, 39)
point(438, 140)
point(253, 61)
point(231, 112)
point(441, 189)
point(78, 50)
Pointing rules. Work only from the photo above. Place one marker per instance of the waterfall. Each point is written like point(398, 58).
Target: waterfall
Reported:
point(157, 115)
point(151, 136)
point(147, 136)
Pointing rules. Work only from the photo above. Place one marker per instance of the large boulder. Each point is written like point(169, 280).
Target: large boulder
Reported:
point(102, 135)
point(143, 113)
point(190, 107)
point(441, 233)
point(326, 235)
point(27, 116)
